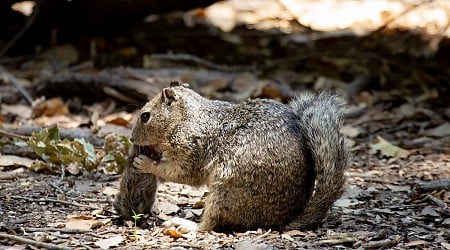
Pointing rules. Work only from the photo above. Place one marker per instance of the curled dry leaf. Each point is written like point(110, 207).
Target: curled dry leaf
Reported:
point(198, 204)
point(12, 160)
point(388, 149)
point(120, 119)
point(51, 107)
point(83, 222)
point(173, 233)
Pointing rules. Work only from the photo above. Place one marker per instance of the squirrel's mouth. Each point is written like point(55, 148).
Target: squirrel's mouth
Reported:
point(151, 152)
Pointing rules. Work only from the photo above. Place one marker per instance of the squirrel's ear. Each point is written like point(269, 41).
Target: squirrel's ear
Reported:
point(169, 95)
point(175, 83)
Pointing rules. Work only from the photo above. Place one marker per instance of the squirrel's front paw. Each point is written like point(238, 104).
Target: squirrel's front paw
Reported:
point(143, 163)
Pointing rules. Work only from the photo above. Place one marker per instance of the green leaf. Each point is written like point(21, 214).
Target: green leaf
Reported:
point(115, 153)
point(48, 145)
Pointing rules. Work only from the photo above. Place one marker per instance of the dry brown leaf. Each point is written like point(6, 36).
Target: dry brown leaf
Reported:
point(416, 243)
point(24, 7)
point(22, 111)
point(62, 121)
point(51, 107)
point(13, 160)
point(407, 110)
point(388, 149)
point(173, 233)
point(198, 204)
point(82, 222)
point(249, 245)
point(350, 131)
point(366, 98)
point(221, 15)
point(429, 211)
point(110, 191)
point(109, 242)
point(121, 119)
point(182, 225)
point(168, 208)
point(439, 131)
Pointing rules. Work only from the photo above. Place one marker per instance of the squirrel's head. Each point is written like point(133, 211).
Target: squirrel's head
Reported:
point(167, 112)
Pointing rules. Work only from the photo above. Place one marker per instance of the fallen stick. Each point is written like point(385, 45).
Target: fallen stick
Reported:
point(382, 243)
point(51, 229)
point(434, 185)
point(73, 203)
point(440, 203)
point(32, 242)
point(201, 61)
point(10, 78)
point(338, 241)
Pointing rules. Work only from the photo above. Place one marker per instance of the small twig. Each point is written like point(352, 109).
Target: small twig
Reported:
point(73, 203)
point(55, 186)
point(201, 61)
point(97, 201)
point(383, 243)
point(264, 235)
point(51, 229)
point(114, 231)
point(434, 185)
point(63, 173)
point(441, 204)
point(8, 77)
point(78, 67)
point(338, 241)
point(116, 94)
point(13, 135)
point(356, 86)
point(186, 246)
point(32, 242)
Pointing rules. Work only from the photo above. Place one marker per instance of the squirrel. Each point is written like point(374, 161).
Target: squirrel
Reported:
point(266, 164)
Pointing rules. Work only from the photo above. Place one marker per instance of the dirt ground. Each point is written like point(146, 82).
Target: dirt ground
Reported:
point(381, 208)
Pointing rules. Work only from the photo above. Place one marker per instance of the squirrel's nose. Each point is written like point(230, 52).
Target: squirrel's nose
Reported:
point(132, 139)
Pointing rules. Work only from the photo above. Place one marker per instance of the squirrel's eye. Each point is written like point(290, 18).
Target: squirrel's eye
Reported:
point(145, 116)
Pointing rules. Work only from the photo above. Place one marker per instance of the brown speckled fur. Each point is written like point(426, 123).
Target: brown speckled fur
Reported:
point(137, 190)
point(259, 158)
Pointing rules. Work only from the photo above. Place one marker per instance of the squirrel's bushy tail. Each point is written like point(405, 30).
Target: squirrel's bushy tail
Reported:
point(321, 119)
